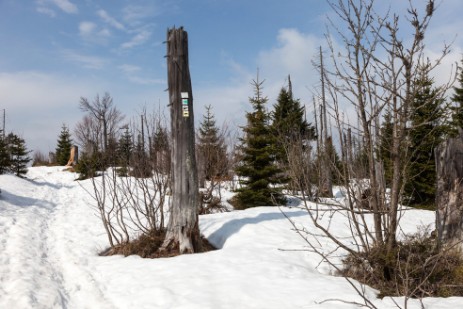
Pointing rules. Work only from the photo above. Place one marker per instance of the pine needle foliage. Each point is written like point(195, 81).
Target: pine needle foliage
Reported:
point(425, 134)
point(288, 121)
point(64, 144)
point(457, 99)
point(18, 155)
point(212, 151)
point(258, 170)
point(4, 156)
point(385, 146)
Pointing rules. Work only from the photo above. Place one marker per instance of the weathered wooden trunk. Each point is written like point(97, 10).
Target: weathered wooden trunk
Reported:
point(449, 196)
point(73, 156)
point(182, 229)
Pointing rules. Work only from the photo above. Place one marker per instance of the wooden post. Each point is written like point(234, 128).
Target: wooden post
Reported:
point(449, 195)
point(182, 229)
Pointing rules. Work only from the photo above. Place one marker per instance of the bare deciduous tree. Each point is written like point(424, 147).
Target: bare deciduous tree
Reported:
point(374, 69)
point(378, 69)
point(105, 116)
point(87, 133)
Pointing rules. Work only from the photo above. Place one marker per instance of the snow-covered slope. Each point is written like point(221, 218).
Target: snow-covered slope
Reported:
point(50, 238)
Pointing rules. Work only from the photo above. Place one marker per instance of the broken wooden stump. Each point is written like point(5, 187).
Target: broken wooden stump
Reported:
point(73, 156)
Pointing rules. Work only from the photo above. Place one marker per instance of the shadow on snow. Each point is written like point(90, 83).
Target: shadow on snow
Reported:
point(23, 201)
point(220, 236)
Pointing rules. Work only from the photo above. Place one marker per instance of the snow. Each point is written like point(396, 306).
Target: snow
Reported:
point(50, 237)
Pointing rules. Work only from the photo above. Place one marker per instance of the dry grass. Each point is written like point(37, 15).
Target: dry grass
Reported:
point(417, 268)
point(211, 204)
point(148, 246)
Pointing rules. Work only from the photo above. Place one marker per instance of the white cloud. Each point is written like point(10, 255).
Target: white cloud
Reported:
point(66, 5)
point(104, 33)
point(128, 68)
point(134, 14)
point(90, 62)
point(146, 81)
point(131, 73)
point(445, 72)
point(238, 71)
point(138, 39)
point(90, 33)
point(86, 28)
point(37, 104)
point(44, 7)
point(110, 20)
point(292, 55)
point(38, 84)
point(229, 103)
point(46, 11)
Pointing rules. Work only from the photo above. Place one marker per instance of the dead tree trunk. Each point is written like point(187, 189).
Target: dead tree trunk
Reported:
point(73, 156)
point(182, 229)
point(326, 183)
point(449, 197)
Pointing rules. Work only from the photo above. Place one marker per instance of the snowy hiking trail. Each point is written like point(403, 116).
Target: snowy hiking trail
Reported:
point(50, 237)
point(36, 268)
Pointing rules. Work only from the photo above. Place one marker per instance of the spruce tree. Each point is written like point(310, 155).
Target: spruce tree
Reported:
point(212, 151)
point(4, 156)
point(160, 151)
point(125, 147)
point(139, 160)
point(290, 128)
point(335, 161)
point(457, 99)
point(425, 134)
point(288, 121)
point(18, 155)
point(63, 149)
point(258, 169)
point(124, 152)
point(385, 145)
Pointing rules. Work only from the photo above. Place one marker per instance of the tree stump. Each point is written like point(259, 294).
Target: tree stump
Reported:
point(73, 156)
point(182, 229)
point(449, 195)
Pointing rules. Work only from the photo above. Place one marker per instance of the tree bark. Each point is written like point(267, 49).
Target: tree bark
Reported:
point(182, 229)
point(449, 197)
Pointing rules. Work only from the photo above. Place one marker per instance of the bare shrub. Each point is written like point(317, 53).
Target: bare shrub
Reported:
point(417, 268)
point(39, 159)
point(375, 72)
point(211, 198)
point(131, 205)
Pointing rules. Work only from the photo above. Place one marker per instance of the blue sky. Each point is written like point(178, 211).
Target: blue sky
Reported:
point(55, 51)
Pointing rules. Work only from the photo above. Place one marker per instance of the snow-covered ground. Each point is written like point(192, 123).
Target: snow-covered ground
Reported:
point(50, 238)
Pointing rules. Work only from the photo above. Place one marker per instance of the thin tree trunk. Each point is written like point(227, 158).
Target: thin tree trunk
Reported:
point(326, 175)
point(449, 195)
point(182, 229)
